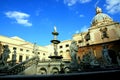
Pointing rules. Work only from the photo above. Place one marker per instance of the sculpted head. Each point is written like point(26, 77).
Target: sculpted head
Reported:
point(73, 42)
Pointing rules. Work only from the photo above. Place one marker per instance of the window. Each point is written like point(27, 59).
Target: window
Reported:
point(27, 57)
point(27, 50)
point(44, 54)
point(80, 41)
point(60, 46)
point(67, 45)
point(38, 52)
point(14, 48)
point(20, 58)
point(21, 49)
point(61, 51)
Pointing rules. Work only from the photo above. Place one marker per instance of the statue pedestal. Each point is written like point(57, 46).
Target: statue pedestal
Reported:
point(74, 66)
point(3, 68)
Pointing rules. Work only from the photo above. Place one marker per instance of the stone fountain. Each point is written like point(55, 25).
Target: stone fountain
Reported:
point(55, 43)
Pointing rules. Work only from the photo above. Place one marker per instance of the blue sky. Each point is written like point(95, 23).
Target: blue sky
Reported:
point(34, 20)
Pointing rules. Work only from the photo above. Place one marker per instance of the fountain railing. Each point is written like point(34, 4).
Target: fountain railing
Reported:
point(13, 70)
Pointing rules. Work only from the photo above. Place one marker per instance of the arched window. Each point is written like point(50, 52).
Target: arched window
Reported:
point(38, 52)
point(20, 58)
point(67, 50)
point(61, 51)
point(67, 45)
point(44, 54)
point(60, 46)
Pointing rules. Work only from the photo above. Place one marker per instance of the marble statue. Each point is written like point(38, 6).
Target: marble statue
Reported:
point(93, 62)
point(5, 54)
point(73, 54)
point(104, 33)
point(55, 29)
point(106, 56)
point(0, 48)
point(118, 58)
point(98, 10)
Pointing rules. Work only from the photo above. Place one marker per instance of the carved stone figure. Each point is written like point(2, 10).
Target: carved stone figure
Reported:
point(5, 54)
point(106, 56)
point(93, 61)
point(0, 50)
point(73, 54)
point(118, 58)
point(55, 29)
point(104, 33)
point(98, 10)
point(87, 37)
point(89, 61)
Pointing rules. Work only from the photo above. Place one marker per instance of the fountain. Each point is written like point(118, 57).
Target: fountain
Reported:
point(55, 43)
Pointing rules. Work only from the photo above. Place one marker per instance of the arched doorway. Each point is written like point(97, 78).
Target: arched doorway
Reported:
point(55, 70)
point(43, 71)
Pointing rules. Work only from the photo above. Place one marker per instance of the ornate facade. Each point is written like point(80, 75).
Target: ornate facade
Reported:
point(102, 36)
point(103, 30)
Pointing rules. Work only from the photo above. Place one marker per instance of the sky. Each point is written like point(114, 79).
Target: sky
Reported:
point(34, 20)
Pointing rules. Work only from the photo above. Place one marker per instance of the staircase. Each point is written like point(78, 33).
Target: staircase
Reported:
point(19, 68)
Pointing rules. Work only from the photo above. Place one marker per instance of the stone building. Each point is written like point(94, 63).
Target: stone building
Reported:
point(103, 30)
point(24, 49)
point(27, 49)
point(63, 49)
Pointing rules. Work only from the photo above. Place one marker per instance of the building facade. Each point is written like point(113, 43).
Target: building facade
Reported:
point(24, 49)
point(103, 31)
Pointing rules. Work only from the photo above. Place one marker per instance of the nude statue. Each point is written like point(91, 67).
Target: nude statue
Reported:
point(106, 56)
point(73, 54)
point(5, 54)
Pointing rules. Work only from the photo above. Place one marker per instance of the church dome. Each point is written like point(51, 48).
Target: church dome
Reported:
point(100, 18)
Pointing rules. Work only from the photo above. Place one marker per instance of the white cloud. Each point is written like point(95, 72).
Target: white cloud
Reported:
point(73, 2)
point(84, 29)
point(21, 18)
point(84, 1)
point(81, 15)
point(113, 6)
point(77, 31)
point(70, 2)
point(96, 4)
